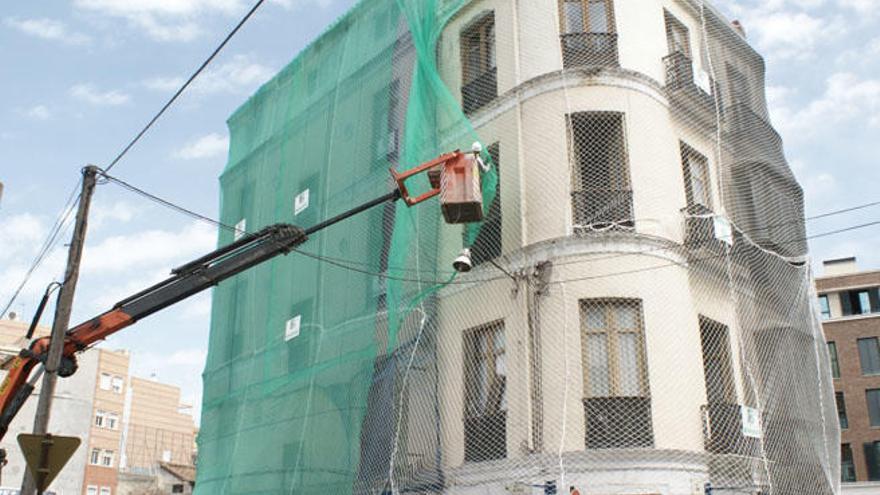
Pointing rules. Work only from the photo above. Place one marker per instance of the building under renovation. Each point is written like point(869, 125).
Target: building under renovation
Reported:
point(640, 314)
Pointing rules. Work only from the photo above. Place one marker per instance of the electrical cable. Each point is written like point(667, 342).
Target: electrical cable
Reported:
point(48, 245)
point(185, 85)
point(348, 264)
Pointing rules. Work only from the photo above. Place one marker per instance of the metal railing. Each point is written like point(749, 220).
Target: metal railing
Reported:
point(618, 423)
point(681, 80)
point(589, 49)
point(485, 437)
point(480, 91)
point(602, 207)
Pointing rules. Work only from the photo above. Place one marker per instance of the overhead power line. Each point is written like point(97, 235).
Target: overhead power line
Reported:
point(48, 244)
point(349, 264)
point(185, 85)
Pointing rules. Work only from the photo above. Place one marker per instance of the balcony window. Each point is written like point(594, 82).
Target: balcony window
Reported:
point(487, 245)
point(588, 36)
point(100, 418)
point(847, 465)
point(677, 37)
point(485, 394)
point(717, 362)
point(860, 301)
point(697, 183)
point(841, 410)
point(835, 363)
point(869, 356)
point(824, 307)
point(601, 192)
point(107, 458)
point(95, 457)
point(617, 405)
point(873, 399)
point(479, 73)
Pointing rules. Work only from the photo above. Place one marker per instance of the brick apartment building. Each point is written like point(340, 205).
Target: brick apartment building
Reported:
point(850, 306)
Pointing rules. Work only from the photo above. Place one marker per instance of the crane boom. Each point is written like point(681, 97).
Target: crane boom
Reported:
point(187, 280)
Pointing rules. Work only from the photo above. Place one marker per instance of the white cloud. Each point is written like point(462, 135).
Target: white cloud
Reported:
point(90, 94)
point(150, 248)
point(39, 112)
point(238, 75)
point(863, 7)
point(165, 84)
point(47, 29)
point(163, 20)
point(209, 146)
point(102, 213)
point(847, 97)
point(789, 34)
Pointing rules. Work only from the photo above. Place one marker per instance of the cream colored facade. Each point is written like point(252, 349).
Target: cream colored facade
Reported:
point(159, 427)
point(544, 371)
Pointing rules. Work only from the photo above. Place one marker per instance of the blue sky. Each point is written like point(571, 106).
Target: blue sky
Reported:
point(80, 77)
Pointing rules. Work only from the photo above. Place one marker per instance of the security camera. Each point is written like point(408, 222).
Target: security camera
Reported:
point(462, 263)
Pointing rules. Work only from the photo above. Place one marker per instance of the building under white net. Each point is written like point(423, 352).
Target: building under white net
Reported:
point(640, 316)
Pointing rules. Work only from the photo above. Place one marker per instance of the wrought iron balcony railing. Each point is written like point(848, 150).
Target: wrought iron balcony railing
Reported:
point(691, 92)
point(589, 49)
point(602, 208)
point(618, 423)
point(480, 91)
point(485, 437)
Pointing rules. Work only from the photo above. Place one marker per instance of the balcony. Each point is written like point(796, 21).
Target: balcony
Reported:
point(723, 431)
point(688, 94)
point(618, 423)
point(485, 437)
point(480, 91)
point(600, 209)
point(589, 49)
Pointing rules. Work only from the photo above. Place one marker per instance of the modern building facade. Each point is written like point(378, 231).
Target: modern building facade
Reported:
point(159, 427)
point(850, 308)
point(645, 324)
point(74, 398)
point(124, 424)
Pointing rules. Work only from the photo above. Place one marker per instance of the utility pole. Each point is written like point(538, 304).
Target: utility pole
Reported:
point(62, 314)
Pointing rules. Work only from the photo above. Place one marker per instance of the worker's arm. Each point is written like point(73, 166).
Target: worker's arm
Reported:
point(187, 280)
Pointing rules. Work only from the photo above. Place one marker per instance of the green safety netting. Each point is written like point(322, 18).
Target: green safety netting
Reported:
point(306, 351)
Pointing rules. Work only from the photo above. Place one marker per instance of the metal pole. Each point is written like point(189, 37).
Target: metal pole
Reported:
point(62, 314)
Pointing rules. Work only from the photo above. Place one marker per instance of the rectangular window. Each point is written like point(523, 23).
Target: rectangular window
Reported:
point(697, 185)
point(105, 381)
point(479, 61)
point(95, 457)
point(601, 192)
point(587, 32)
point(178, 488)
point(100, 417)
point(835, 364)
point(105, 490)
point(717, 362)
point(617, 405)
point(872, 460)
point(117, 384)
point(847, 466)
point(841, 410)
point(677, 37)
point(869, 355)
point(92, 490)
point(112, 420)
point(824, 307)
point(587, 16)
point(873, 399)
point(107, 458)
point(485, 393)
point(860, 302)
point(487, 245)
